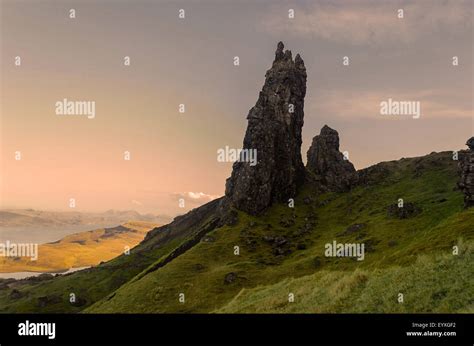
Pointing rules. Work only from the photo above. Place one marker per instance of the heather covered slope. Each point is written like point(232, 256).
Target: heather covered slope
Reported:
point(285, 246)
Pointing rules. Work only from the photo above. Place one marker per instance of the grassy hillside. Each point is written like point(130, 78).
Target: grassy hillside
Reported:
point(91, 285)
point(431, 284)
point(289, 243)
point(81, 249)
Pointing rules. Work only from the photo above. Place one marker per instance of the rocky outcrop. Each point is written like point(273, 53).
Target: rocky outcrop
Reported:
point(15, 294)
point(328, 164)
point(466, 165)
point(230, 278)
point(355, 228)
point(373, 174)
point(408, 210)
point(274, 131)
point(470, 143)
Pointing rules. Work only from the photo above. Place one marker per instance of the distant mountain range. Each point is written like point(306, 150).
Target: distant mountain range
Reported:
point(41, 218)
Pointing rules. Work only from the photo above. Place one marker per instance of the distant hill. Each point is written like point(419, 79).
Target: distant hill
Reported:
point(81, 249)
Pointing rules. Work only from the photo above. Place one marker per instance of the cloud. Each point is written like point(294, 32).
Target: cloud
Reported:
point(136, 202)
point(371, 21)
point(198, 195)
point(195, 197)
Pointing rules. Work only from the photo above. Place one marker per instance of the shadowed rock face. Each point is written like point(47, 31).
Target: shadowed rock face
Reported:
point(466, 165)
point(329, 165)
point(470, 143)
point(274, 130)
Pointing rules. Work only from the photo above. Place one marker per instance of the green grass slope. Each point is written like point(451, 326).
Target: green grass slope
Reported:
point(88, 285)
point(431, 284)
point(285, 247)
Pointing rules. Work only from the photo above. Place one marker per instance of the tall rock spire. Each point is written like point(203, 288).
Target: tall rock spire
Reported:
point(327, 163)
point(274, 131)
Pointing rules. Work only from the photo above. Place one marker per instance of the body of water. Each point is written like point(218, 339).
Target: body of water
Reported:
point(23, 275)
point(44, 234)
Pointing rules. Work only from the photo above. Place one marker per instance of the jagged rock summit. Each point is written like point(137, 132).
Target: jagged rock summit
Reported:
point(274, 131)
point(466, 164)
point(328, 164)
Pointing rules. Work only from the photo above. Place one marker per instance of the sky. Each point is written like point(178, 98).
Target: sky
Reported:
point(190, 61)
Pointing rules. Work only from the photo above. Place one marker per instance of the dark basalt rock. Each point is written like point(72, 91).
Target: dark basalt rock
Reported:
point(280, 241)
point(466, 167)
point(5, 283)
point(15, 294)
point(373, 174)
point(357, 227)
point(274, 130)
point(281, 251)
point(370, 244)
point(39, 278)
point(287, 223)
point(470, 143)
point(48, 300)
point(230, 278)
point(79, 302)
point(198, 267)
point(317, 262)
point(392, 243)
point(328, 164)
point(407, 211)
point(268, 238)
point(281, 246)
